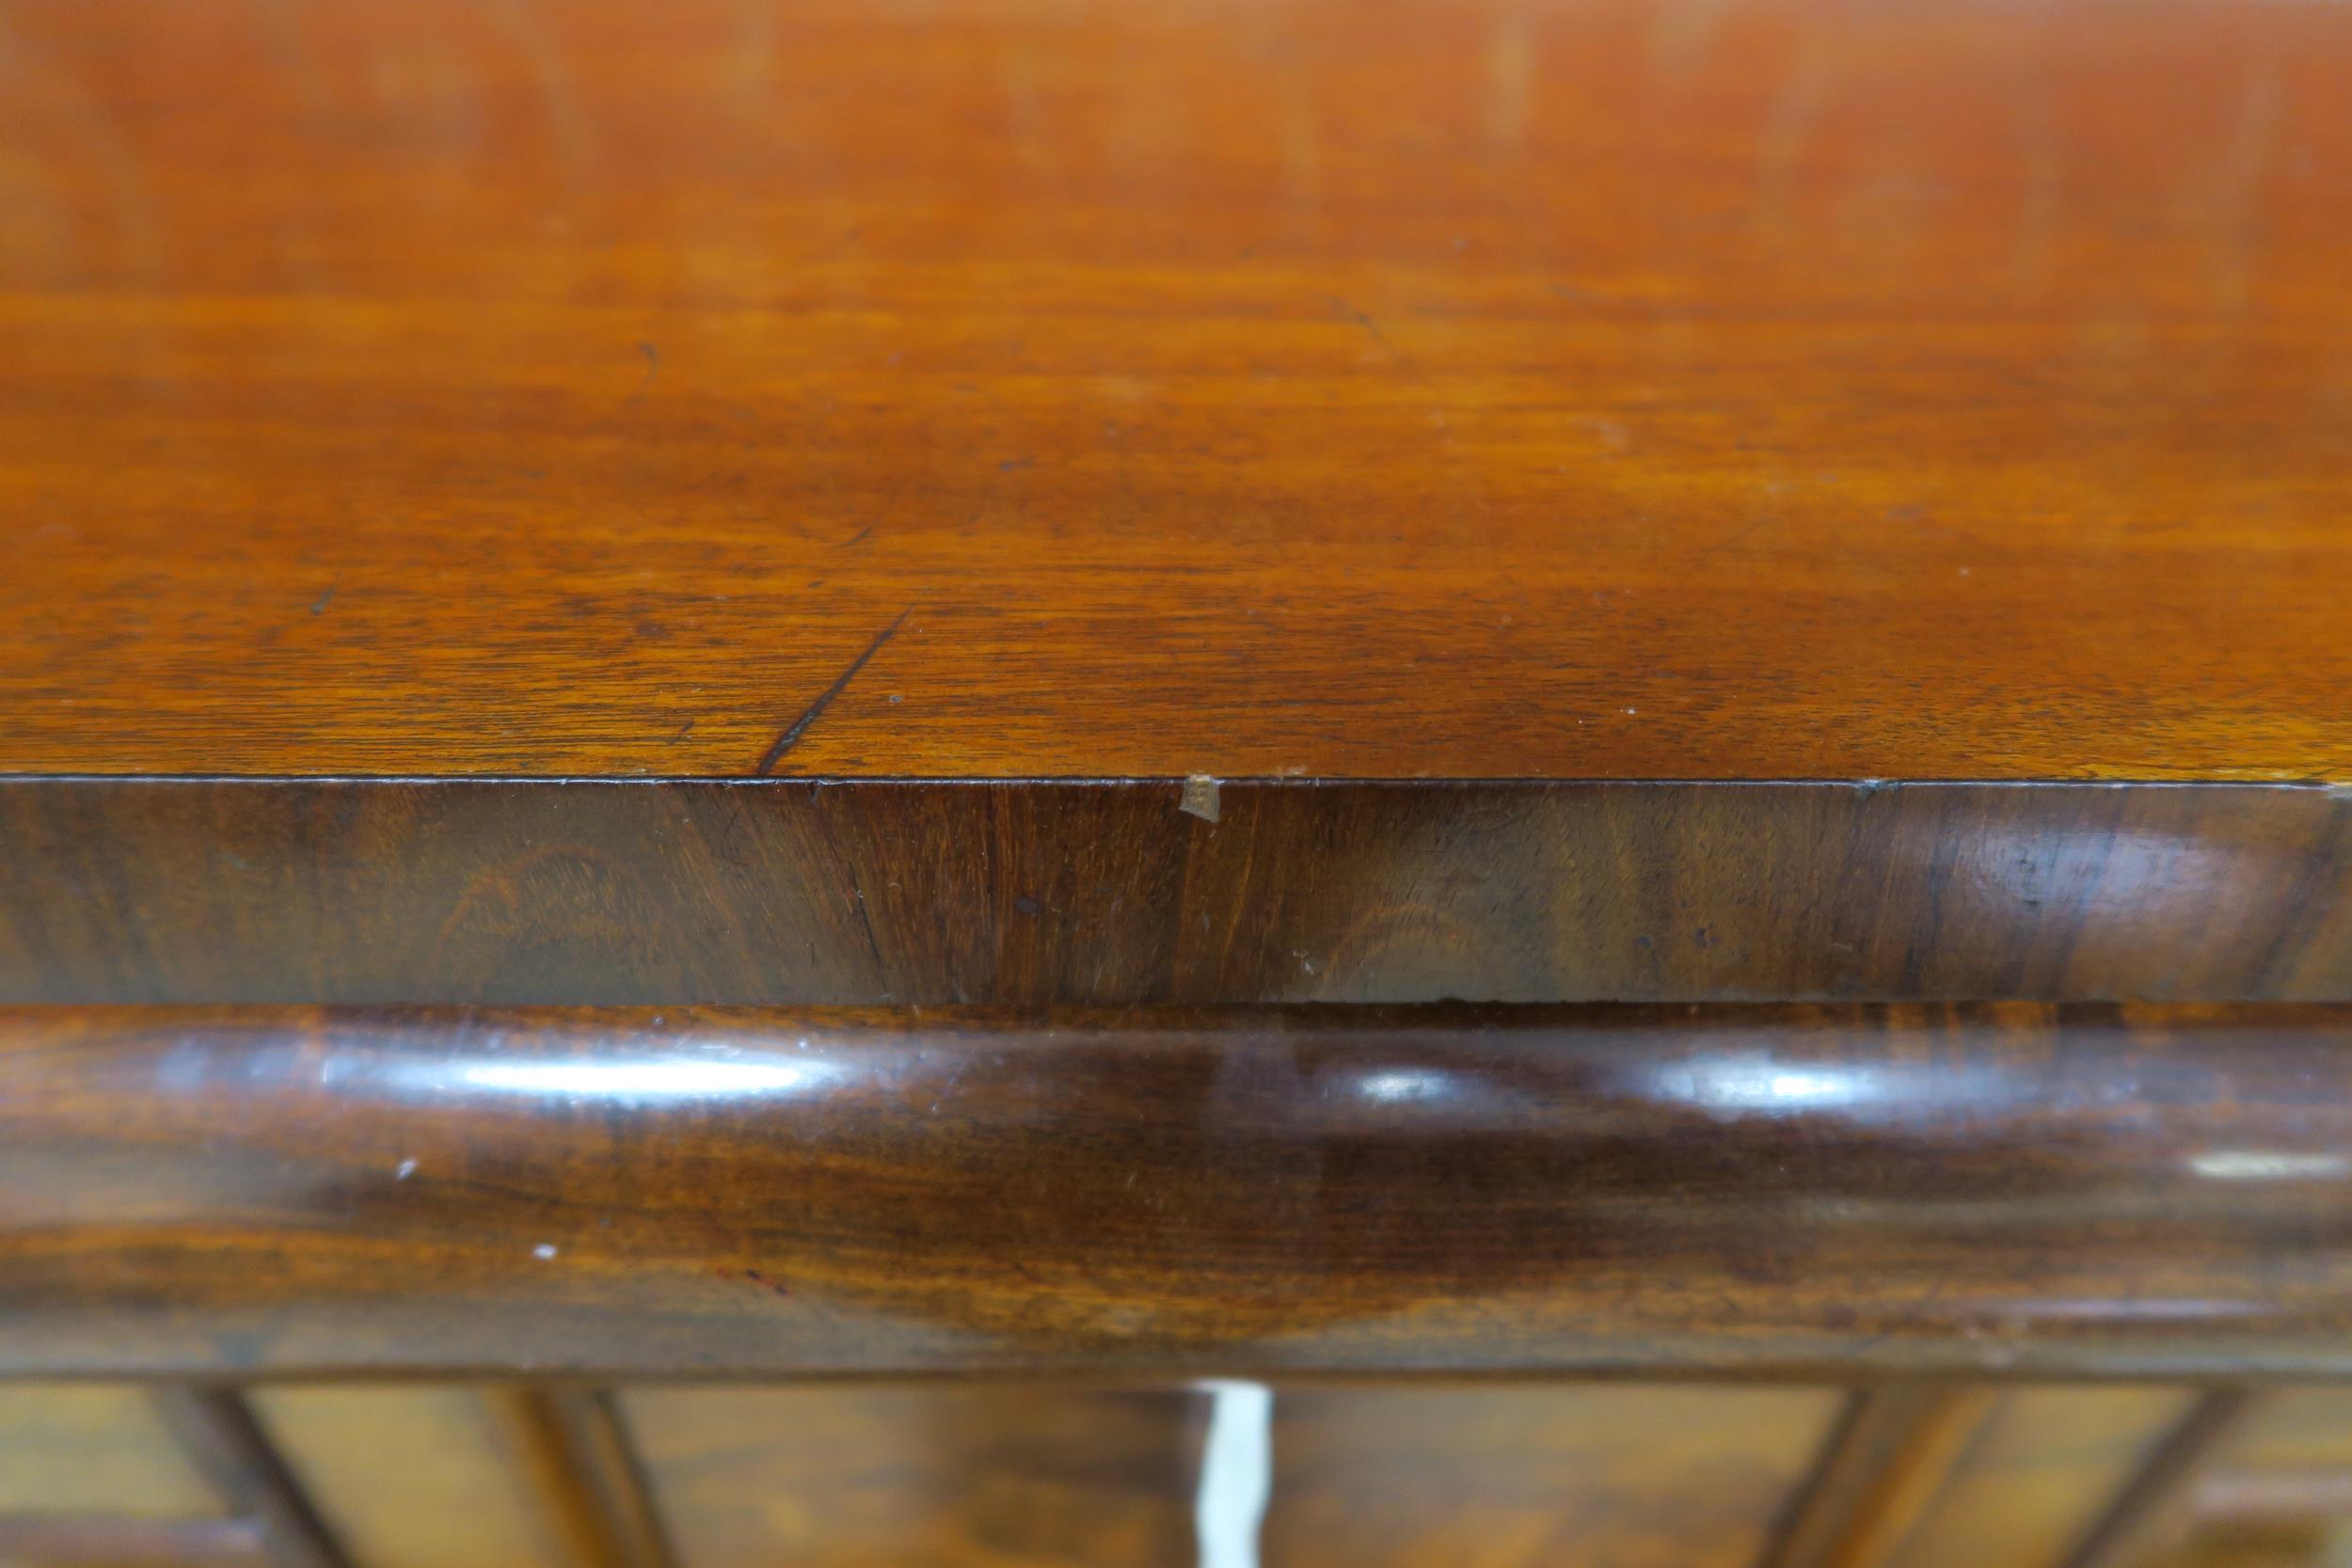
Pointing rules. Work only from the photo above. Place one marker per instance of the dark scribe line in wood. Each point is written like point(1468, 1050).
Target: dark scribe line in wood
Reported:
point(1851, 1193)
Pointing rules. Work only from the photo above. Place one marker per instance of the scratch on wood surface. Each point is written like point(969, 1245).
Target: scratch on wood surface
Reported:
point(799, 726)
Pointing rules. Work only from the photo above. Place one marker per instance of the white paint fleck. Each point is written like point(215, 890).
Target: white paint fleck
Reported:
point(1236, 1474)
point(1200, 798)
point(543, 1251)
point(408, 1169)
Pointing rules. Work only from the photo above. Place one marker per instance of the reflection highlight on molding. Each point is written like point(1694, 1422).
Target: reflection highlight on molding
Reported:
point(644, 1079)
point(2268, 1164)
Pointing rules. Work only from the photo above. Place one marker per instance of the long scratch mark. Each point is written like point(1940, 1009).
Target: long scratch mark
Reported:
point(798, 727)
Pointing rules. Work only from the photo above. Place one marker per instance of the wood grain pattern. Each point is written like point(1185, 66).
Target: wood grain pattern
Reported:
point(1653, 389)
point(1109, 894)
point(985, 1476)
point(1546, 1477)
point(1851, 1192)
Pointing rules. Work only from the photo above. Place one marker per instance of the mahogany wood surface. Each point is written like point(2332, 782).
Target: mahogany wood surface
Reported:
point(1785, 388)
point(1840, 1193)
point(1111, 893)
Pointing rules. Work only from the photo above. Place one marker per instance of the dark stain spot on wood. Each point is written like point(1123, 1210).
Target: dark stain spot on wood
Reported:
point(644, 383)
point(318, 606)
point(1028, 905)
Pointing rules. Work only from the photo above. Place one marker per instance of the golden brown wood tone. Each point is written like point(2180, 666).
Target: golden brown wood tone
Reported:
point(1110, 893)
point(1892, 1450)
point(2046, 1463)
point(588, 1468)
point(1011, 388)
point(217, 1429)
point(1840, 1192)
point(429, 1477)
point(93, 1452)
point(987, 1477)
point(2159, 1505)
point(1492, 1476)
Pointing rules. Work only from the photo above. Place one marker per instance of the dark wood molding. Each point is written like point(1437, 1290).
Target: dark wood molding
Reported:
point(1826, 1192)
point(1045, 892)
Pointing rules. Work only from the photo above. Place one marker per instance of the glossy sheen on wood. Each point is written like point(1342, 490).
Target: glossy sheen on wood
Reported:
point(1821, 1192)
point(1018, 387)
point(1107, 893)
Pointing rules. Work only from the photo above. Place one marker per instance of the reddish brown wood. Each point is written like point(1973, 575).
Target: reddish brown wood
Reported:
point(1517, 388)
point(1110, 893)
point(2013, 1191)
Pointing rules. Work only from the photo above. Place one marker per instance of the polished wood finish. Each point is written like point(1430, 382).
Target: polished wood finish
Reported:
point(1132, 524)
point(2012, 1190)
point(1108, 893)
point(1891, 1451)
point(1506, 389)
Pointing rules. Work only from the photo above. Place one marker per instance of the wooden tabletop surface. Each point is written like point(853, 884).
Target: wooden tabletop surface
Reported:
point(1486, 388)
